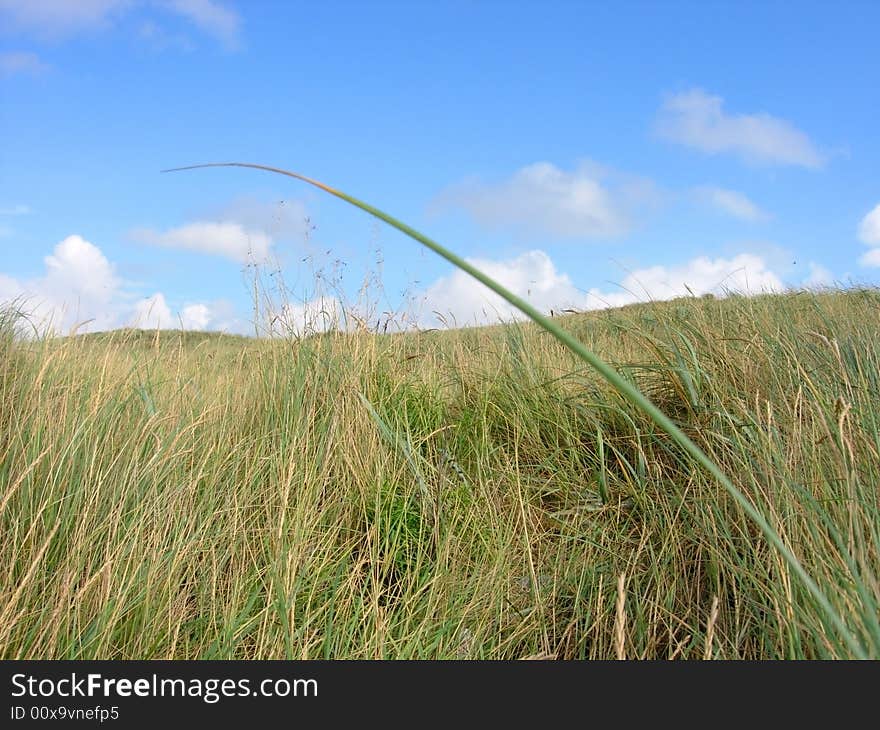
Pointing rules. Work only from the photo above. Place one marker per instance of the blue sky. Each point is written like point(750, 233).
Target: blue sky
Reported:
point(585, 154)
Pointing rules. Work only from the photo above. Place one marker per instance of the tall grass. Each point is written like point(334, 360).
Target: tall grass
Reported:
point(473, 494)
point(622, 385)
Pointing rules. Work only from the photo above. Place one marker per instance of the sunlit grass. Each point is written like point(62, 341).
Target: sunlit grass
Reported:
point(473, 494)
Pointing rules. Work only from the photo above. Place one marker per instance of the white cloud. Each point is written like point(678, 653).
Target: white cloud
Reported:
point(871, 258)
point(10, 288)
point(244, 230)
point(697, 119)
point(746, 274)
point(541, 199)
point(731, 202)
point(21, 62)
point(77, 265)
point(61, 18)
point(79, 285)
point(460, 300)
point(819, 276)
point(196, 317)
point(228, 239)
point(869, 233)
point(869, 228)
point(152, 313)
point(320, 314)
point(221, 317)
point(211, 17)
point(80, 290)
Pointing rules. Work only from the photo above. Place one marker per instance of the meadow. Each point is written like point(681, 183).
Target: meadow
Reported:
point(478, 493)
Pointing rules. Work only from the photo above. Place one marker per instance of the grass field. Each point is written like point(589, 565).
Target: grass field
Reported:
point(477, 493)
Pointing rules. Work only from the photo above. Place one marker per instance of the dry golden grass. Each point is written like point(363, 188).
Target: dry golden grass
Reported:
point(465, 494)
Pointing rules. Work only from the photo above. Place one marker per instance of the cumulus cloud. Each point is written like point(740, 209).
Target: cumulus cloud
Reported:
point(819, 276)
point(152, 313)
point(80, 290)
point(698, 120)
point(10, 289)
point(746, 274)
point(869, 228)
point(79, 286)
point(196, 317)
point(869, 233)
point(459, 300)
point(78, 265)
point(21, 62)
point(228, 239)
point(871, 258)
point(730, 202)
point(541, 199)
point(243, 230)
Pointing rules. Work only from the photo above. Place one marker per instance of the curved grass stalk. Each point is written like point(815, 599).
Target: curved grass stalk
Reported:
point(622, 385)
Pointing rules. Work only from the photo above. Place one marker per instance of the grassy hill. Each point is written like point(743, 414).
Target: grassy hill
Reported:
point(475, 493)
